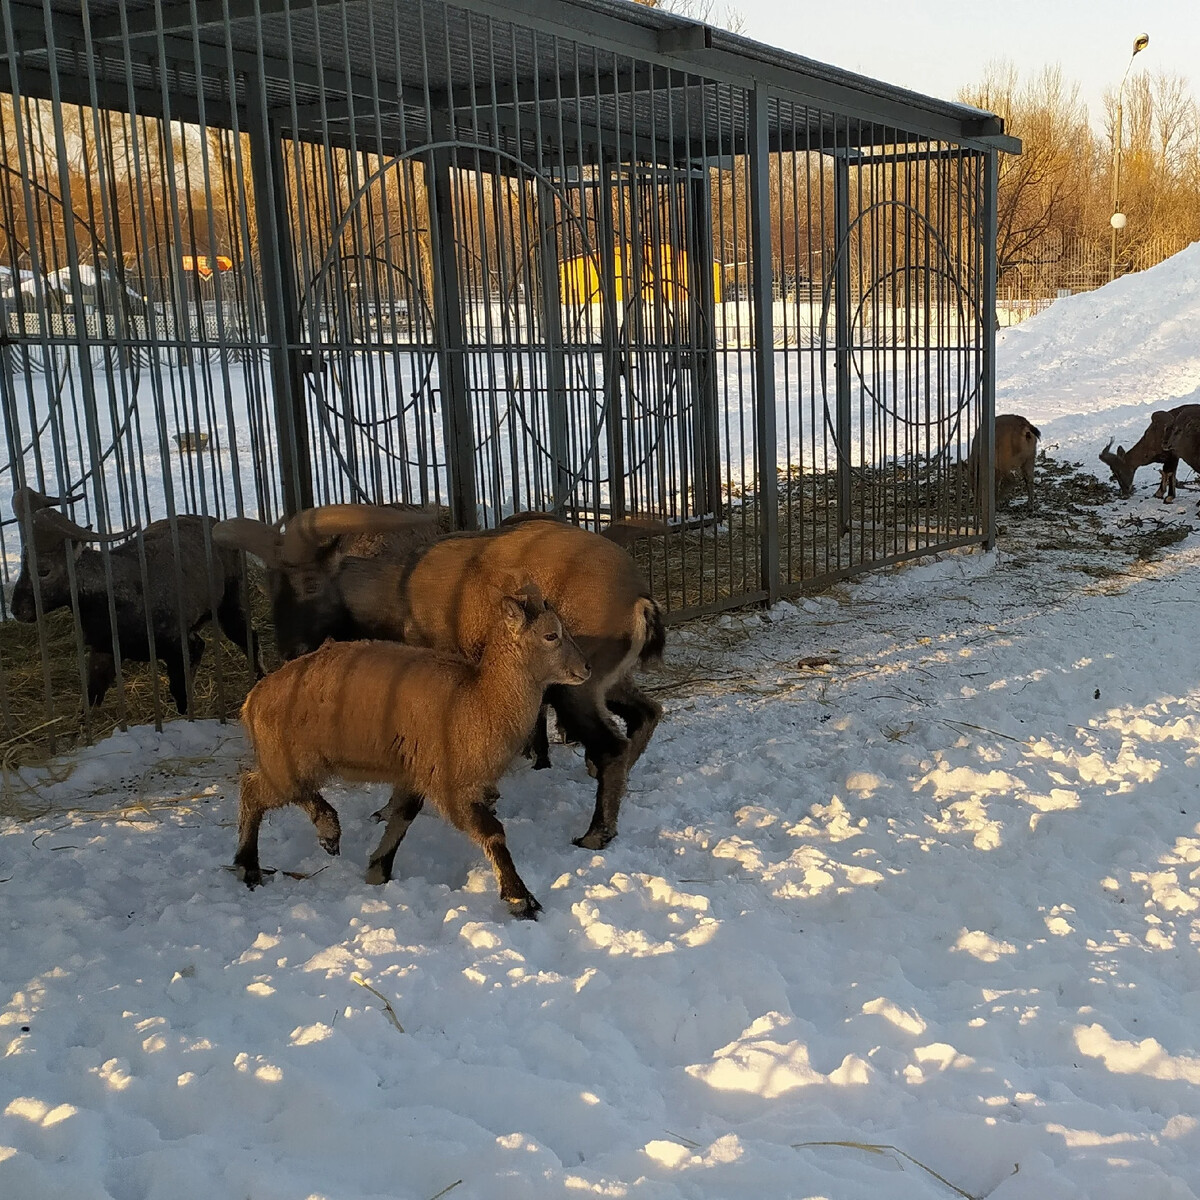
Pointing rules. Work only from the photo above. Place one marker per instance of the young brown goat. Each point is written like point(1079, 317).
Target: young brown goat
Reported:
point(1016, 449)
point(434, 725)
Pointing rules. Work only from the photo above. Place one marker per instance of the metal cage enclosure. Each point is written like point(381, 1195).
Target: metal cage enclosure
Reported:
point(494, 255)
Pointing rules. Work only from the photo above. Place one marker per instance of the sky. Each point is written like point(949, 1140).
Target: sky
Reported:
point(938, 46)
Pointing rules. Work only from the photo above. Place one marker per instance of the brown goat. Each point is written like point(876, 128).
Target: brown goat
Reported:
point(1016, 450)
point(1183, 443)
point(433, 725)
point(624, 532)
point(1150, 447)
point(597, 590)
point(433, 597)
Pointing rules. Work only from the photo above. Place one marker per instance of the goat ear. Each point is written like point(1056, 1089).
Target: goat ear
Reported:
point(515, 616)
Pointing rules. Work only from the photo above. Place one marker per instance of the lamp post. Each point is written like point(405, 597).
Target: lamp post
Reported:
point(1117, 220)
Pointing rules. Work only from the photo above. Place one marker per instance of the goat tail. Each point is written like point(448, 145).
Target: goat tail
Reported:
point(654, 632)
point(1032, 428)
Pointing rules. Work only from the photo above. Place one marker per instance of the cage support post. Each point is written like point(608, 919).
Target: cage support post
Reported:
point(987, 334)
point(280, 301)
point(841, 326)
point(457, 426)
point(702, 340)
point(764, 346)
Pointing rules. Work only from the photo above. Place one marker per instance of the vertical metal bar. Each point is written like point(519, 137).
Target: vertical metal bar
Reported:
point(767, 488)
point(987, 334)
point(452, 371)
point(552, 337)
point(279, 294)
point(841, 324)
point(702, 341)
point(609, 335)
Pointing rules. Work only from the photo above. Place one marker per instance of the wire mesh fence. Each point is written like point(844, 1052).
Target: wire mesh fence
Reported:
point(262, 254)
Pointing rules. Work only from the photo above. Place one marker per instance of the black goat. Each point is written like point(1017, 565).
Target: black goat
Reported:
point(178, 599)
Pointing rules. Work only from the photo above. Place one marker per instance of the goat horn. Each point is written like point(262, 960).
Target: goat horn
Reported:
point(254, 537)
point(531, 593)
point(307, 530)
point(54, 527)
point(26, 501)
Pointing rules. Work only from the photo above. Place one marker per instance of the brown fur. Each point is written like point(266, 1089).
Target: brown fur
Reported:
point(1016, 451)
point(1183, 443)
point(409, 589)
point(1151, 447)
point(432, 724)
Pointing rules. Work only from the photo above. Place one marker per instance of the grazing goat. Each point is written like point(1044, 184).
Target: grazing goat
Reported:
point(179, 596)
point(1150, 447)
point(433, 725)
point(436, 597)
point(1016, 450)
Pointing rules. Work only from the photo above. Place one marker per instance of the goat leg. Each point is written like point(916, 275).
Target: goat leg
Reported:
point(102, 670)
point(611, 776)
point(256, 798)
point(401, 811)
point(538, 746)
point(325, 820)
point(480, 824)
point(640, 714)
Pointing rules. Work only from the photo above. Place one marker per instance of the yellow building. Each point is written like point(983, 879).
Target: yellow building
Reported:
point(659, 271)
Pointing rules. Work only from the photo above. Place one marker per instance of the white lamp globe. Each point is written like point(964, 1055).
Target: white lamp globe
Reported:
point(1117, 220)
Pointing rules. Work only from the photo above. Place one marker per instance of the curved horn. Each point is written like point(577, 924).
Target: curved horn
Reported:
point(51, 525)
point(307, 530)
point(26, 501)
point(254, 537)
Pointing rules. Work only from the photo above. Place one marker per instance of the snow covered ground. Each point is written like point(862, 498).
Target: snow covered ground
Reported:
point(940, 893)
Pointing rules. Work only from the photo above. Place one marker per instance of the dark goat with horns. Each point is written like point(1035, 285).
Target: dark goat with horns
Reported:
point(179, 596)
point(432, 591)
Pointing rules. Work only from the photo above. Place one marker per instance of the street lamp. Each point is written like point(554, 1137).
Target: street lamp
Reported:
point(1117, 220)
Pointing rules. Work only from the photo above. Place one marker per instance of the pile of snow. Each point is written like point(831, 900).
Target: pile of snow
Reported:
point(940, 894)
point(1093, 366)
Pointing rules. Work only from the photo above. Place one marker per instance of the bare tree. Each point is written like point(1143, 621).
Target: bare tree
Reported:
point(1041, 191)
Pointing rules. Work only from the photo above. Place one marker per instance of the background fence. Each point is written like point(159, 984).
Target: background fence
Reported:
point(605, 262)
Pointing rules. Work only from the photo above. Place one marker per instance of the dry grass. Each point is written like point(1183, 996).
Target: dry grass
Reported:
point(43, 711)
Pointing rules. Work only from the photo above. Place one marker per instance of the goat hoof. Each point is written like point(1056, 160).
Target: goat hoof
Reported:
point(591, 768)
point(253, 877)
point(594, 839)
point(525, 909)
point(376, 873)
point(331, 845)
point(541, 764)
